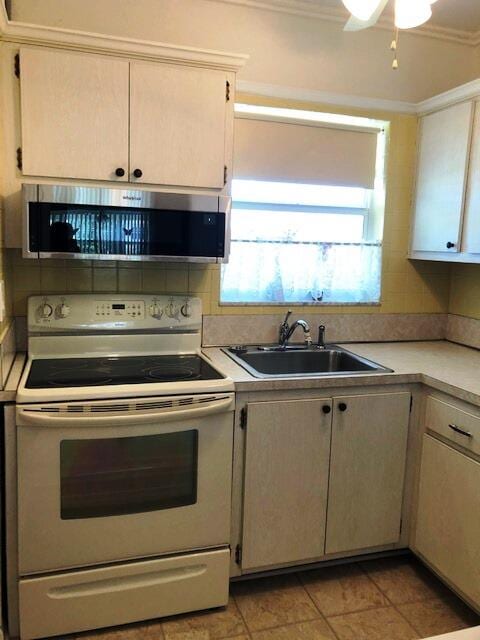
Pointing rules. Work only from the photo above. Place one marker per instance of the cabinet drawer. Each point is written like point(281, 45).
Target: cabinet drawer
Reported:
point(94, 598)
point(449, 421)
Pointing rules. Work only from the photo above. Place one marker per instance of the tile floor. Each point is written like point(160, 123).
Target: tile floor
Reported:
point(389, 599)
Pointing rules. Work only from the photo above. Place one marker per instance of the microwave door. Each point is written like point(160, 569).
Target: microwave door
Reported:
point(98, 231)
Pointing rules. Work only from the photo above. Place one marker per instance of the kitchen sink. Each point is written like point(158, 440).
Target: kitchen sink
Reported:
point(271, 362)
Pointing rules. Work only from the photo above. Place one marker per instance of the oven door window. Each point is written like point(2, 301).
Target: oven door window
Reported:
point(117, 231)
point(118, 476)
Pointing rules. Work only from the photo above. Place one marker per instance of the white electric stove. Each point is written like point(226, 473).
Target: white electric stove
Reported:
point(123, 440)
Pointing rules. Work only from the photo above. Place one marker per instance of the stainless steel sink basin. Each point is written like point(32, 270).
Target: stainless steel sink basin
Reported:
point(262, 362)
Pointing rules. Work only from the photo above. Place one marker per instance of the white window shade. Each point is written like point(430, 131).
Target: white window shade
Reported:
point(304, 153)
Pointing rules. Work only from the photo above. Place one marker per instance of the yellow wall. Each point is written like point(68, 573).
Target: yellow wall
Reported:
point(407, 287)
point(465, 290)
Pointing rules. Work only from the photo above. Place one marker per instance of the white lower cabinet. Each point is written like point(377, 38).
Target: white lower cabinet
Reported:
point(447, 532)
point(367, 470)
point(322, 476)
point(286, 481)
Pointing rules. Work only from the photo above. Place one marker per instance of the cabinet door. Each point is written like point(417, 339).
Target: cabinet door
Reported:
point(441, 178)
point(177, 125)
point(74, 111)
point(367, 468)
point(286, 480)
point(448, 520)
point(471, 225)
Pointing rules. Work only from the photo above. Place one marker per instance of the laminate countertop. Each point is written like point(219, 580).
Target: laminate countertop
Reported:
point(442, 365)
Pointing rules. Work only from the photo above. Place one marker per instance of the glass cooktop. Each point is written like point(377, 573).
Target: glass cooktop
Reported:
point(91, 372)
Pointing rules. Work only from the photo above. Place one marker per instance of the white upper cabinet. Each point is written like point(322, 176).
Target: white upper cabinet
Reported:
point(74, 111)
point(471, 225)
point(443, 158)
point(177, 126)
point(102, 118)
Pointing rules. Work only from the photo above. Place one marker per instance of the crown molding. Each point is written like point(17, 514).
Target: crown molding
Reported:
point(468, 91)
point(323, 97)
point(454, 96)
point(39, 35)
point(306, 8)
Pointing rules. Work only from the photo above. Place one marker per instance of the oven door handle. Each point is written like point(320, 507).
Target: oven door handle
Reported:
point(27, 417)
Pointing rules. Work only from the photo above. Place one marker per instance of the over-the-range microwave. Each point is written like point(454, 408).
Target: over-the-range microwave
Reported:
point(116, 224)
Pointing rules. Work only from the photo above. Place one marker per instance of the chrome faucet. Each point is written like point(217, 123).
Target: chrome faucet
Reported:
point(286, 331)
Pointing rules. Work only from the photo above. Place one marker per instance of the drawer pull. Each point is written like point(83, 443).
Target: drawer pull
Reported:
point(461, 431)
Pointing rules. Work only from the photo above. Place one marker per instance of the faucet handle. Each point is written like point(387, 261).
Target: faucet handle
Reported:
point(287, 317)
point(321, 336)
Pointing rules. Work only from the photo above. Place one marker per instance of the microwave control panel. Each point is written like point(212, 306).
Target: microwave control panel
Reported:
point(82, 313)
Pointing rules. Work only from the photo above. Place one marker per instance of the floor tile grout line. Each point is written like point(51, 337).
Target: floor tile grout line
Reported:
point(322, 616)
point(410, 624)
point(424, 599)
point(247, 628)
point(280, 626)
point(345, 613)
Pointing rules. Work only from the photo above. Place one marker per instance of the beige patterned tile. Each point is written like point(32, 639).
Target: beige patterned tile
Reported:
point(140, 631)
point(342, 589)
point(313, 630)
point(273, 602)
point(207, 625)
point(403, 580)
point(341, 327)
point(438, 616)
point(375, 624)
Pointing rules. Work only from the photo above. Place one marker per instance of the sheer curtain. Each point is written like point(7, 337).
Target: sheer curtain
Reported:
point(288, 272)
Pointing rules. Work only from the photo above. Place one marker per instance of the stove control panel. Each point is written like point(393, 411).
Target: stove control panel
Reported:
point(109, 309)
point(79, 313)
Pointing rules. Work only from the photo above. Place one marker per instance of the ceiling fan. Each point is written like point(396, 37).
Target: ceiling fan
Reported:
point(408, 15)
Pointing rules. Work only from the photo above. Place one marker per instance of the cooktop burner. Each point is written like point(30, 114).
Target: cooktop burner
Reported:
point(91, 372)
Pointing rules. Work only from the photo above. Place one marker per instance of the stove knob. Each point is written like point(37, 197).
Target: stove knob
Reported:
point(45, 310)
point(155, 311)
point(186, 310)
point(171, 310)
point(63, 311)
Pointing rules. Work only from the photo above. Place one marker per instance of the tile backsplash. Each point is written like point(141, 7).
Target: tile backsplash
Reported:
point(34, 277)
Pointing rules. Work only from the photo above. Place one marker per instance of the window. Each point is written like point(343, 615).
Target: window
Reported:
point(303, 242)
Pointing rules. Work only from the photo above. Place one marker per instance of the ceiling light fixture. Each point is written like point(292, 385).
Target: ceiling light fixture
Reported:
point(408, 15)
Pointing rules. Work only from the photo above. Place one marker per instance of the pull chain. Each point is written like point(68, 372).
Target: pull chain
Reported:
point(394, 47)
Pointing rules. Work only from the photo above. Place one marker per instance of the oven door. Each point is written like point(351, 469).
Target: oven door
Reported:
point(115, 480)
point(115, 224)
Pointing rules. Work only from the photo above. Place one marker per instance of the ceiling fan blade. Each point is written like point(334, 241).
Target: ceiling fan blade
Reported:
point(354, 24)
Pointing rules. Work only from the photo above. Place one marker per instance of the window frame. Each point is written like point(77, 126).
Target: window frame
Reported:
point(373, 213)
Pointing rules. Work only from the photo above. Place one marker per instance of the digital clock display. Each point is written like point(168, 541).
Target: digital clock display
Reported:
point(118, 306)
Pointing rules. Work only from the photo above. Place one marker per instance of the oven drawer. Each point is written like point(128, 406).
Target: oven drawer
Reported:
point(95, 598)
point(454, 424)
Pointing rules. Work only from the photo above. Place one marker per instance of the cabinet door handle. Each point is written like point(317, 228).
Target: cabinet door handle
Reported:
point(326, 408)
point(450, 245)
point(342, 406)
point(120, 172)
point(138, 173)
point(461, 431)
